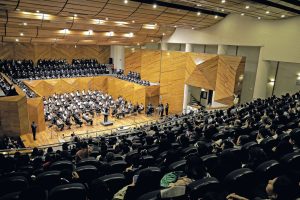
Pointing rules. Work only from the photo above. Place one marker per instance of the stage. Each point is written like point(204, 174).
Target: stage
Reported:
point(53, 135)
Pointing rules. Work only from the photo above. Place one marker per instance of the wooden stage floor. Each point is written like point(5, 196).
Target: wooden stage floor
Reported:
point(54, 136)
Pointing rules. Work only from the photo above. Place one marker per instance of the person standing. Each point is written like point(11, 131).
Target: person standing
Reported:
point(167, 109)
point(33, 128)
point(162, 110)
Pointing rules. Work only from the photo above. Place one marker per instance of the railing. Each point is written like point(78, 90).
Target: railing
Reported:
point(88, 135)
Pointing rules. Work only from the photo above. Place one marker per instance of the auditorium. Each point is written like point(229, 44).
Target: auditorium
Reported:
point(149, 99)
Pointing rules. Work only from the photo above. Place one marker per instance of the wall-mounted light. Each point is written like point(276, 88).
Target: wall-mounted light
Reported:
point(271, 81)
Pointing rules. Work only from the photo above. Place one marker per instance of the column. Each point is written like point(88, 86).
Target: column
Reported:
point(186, 97)
point(222, 49)
point(188, 47)
point(261, 80)
point(117, 53)
point(164, 46)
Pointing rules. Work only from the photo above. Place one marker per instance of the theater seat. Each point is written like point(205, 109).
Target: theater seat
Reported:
point(11, 196)
point(88, 161)
point(199, 188)
point(73, 191)
point(153, 151)
point(147, 161)
point(129, 156)
point(114, 182)
point(117, 166)
point(48, 179)
point(99, 188)
point(291, 161)
point(268, 143)
point(189, 150)
point(268, 170)
point(240, 181)
point(210, 162)
point(62, 165)
point(13, 184)
point(156, 174)
point(87, 173)
point(154, 195)
point(178, 165)
point(237, 152)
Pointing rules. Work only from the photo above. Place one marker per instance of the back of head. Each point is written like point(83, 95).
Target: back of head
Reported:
point(33, 193)
point(285, 188)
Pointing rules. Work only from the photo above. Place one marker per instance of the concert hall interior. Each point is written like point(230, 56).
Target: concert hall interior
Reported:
point(149, 99)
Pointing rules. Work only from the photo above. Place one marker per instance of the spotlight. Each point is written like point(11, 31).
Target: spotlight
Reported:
point(154, 5)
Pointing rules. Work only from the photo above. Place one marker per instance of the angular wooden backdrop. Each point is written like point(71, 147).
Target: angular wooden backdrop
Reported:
point(174, 69)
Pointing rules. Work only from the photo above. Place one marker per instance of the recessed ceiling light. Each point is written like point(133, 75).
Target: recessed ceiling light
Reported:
point(223, 1)
point(193, 28)
point(242, 14)
point(125, 1)
point(258, 17)
point(18, 9)
point(199, 5)
point(106, 18)
point(267, 12)
point(198, 13)
point(154, 5)
point(38, 11)
point(152, 40)
point(138, 44)
point(175, 26)
point(163, 34)
point(25, 24)
point(133, 21)
point(17, 40)
point(65, 31)
point(90, 32)
point(216, 16)
point(247, 7)
point(75, 46)
point(282, 16)
point(75, 15)
point(222, 10)
point(21, 34)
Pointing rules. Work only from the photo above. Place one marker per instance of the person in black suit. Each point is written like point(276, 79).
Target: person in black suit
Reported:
point(106, 113)
point(33, 128)
point(167, 109)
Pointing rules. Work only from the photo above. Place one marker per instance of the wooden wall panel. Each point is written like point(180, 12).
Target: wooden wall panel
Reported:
point(57, 51)
point(13, 114)
point(133, 60)
point(151, 63)
point(229, 69)
point(172, 79)
point(201, 70)
point(35, 108)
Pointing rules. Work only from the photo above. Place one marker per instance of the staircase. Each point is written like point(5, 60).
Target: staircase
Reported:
point(194, 101)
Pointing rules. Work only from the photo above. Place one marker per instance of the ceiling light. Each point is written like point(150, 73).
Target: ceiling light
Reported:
point(267, 12)
point(175, 26)
point(282, 16)
point(223, 1)
point(152, 40)
point(133, 21)
point(216, 16)
point(259, 18)
point(125, 1)
point(21, 34)
point(138, 44)
point(25, 24)
point(111, 33)
point(164, 34)
point(154, 5)
point(247, 7)
point(198, 13)
point(64, 31)
point(129, 35)
point(150, 26)
point(17, 40)
point(242, 14)
point(90, 32)
point(18, 9)
point(199, 5)
point(222, 10)
point(38, 11)
point(106, 18)
point(193, 28)
point(75, 46)
point(75, 15)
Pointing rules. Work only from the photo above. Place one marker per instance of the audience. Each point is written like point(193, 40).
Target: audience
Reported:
point(133, 77)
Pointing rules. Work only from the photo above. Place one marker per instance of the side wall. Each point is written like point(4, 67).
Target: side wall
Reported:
point(58, 51)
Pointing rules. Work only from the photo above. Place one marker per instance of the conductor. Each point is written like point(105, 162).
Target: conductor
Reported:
point(33, 128)
point(106, 113)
